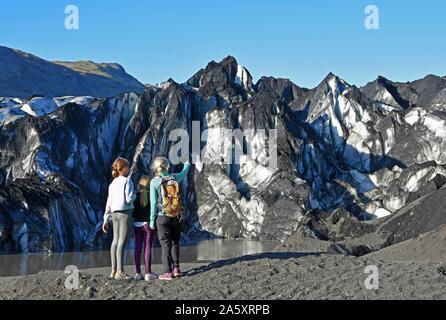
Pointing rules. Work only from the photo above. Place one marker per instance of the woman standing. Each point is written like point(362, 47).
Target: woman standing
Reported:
point(169, 227)
point(121, 195)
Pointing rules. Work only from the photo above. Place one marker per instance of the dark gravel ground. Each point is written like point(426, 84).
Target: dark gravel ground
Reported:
point(278, 275)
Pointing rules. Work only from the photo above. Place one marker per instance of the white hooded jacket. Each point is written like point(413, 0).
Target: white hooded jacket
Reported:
point(121, 194)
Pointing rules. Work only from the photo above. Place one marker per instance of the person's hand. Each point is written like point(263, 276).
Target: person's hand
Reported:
point(105, 227)
point(152, 226)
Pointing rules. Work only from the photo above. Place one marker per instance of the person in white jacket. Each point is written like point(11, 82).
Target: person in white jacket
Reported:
point(119, 207)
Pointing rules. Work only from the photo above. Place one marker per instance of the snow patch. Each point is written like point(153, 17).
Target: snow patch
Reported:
point(381, 213)
point(82, 100)
point(414, 116)
point(11, 114)
point(253, 174)
point(242, 77)
point(6, 102)
point(39, 107)
point(337, 86)
point(436, 125)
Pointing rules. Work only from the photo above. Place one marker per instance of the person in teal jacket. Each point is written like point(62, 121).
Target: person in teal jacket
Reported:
point(169, 229)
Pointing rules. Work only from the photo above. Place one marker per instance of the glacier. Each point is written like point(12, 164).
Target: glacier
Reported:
point(370, 151)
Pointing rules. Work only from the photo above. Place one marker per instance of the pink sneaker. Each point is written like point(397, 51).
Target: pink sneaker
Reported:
point(166, 276)
point(176, 272)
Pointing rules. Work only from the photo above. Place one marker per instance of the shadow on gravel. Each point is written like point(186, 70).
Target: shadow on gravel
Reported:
point(266, 255)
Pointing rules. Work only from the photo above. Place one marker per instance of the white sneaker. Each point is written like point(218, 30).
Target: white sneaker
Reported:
point(112, 274)
point(151, 276)
point(138, 277)
point(121, 275)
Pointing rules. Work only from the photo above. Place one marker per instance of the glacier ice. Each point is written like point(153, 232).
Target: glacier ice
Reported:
point(336, 148)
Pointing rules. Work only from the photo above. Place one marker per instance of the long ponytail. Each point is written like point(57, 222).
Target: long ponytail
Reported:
point(144, 194)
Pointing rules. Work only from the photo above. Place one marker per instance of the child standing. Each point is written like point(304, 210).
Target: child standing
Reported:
point(118, 209)
point(144, 234)
point(169, 228)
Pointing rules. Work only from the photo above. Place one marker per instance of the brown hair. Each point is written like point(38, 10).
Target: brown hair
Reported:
point(119, 166)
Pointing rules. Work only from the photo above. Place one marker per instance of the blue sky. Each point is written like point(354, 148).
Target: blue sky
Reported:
point(295, 39)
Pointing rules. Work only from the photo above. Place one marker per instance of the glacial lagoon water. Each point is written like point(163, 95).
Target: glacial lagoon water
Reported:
point(205, 251)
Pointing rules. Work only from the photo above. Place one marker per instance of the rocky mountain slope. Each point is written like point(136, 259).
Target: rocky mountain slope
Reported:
point(367, 153)
point(427, 92)
point(23, 75)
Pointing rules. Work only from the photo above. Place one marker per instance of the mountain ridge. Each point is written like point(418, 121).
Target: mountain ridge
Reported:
point(23, 75)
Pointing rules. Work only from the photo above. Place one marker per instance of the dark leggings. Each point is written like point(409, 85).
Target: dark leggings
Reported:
point(143, 238)
point(169, 232)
